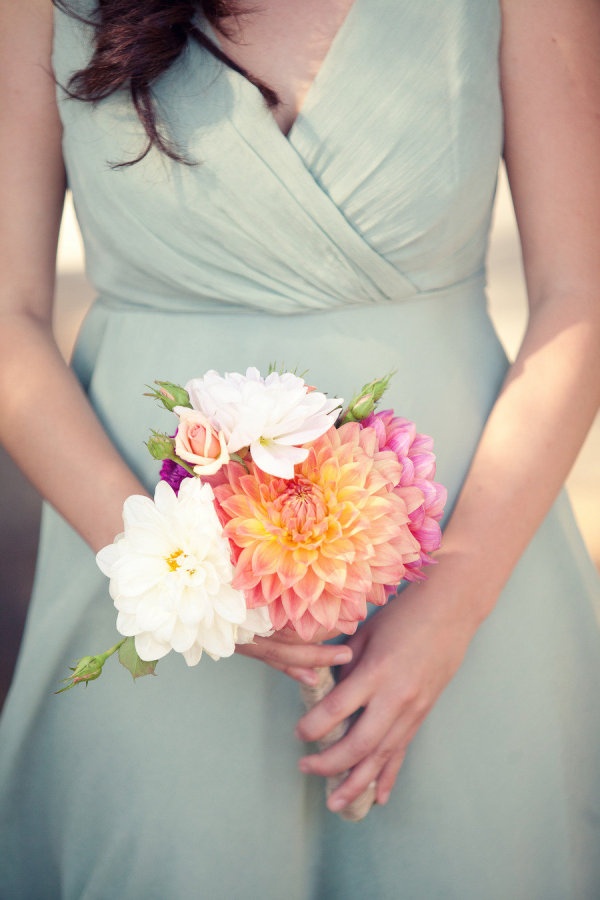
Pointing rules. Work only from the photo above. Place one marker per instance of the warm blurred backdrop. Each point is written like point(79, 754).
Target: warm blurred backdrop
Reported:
point(19, 511)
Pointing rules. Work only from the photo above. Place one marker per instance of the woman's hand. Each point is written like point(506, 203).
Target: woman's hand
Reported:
point(285, 652)
point(403, 657)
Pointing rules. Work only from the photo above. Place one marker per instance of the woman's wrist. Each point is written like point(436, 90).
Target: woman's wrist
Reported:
point(459, 590)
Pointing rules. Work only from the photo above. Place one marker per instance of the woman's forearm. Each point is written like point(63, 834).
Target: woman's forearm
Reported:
point(530, 442)
point(50, 429)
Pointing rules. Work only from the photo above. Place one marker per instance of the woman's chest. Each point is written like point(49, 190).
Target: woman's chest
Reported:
point(284, 44)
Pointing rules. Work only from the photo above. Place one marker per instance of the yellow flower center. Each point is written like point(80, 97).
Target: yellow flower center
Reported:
point(179, 559)
point(173, 560)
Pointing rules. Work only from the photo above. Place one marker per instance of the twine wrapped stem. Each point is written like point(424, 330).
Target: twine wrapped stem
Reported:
point(359, 808)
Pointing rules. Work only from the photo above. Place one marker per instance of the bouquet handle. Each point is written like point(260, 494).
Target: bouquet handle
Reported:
point(359, 807)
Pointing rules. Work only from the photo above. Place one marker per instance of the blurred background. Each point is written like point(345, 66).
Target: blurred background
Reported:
point(20, 508)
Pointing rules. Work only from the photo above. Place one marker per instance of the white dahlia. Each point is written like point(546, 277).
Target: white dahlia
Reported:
point(170, 577)
point(272, 416)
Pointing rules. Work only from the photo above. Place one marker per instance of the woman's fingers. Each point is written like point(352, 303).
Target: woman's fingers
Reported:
point(369, 771)
point(373, 750)
point(341, 703)
point(296, 657)
point(380, 766)
point(388, 775)
point(365, 739)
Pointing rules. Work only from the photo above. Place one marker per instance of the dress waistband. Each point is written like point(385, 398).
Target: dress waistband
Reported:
point(473, 286)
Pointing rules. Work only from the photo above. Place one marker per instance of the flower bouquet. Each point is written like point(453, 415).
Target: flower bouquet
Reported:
point(277, 508)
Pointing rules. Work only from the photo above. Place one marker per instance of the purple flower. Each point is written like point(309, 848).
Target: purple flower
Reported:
point(173, 474)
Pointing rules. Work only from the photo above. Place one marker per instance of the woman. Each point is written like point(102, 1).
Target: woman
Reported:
point(344, 229)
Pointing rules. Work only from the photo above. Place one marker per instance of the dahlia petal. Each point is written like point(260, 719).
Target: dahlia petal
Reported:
point(353, 608)
point(377, 595)
point(139, 510)
point(412, 496)
point(347, 626)
point(388, 574)
point(265, 560)
point(257, 622)
point(359, 576)
point(332, 571)
point(245, 578)
point(147, 540)
point(151, 617)
point(270, 588)
point(390, 555)
point(435, 507)
point(310, 586)
point(107, 557)
point(340, 549)
point(326, 610)
point(230, 604)
point(218, 641)
point(388, 467)
point(193, 655)
point(183, 636)
point(307, 627)
point(289, 570)
point(278, 615)
point(136, 575)
point(127, 624)
point(294, 605)
point(149, 649)
point(429, 535)
point(414, 572)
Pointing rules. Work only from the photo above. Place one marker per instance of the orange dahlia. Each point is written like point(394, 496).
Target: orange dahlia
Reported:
point(318, 547)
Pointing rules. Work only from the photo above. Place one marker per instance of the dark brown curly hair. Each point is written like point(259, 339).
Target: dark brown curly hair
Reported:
point(135, 42)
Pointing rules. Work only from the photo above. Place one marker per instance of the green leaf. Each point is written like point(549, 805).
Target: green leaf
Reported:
point(129, 658)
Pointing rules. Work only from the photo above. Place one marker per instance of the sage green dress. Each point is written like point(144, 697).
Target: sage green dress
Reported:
point(354, 246)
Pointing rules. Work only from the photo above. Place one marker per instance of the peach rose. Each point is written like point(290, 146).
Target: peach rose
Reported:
point(198, 443)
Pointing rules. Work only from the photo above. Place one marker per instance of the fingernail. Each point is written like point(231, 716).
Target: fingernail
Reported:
point(342, 657)
point(383, 798)
point(335, 804)
point(309, 678)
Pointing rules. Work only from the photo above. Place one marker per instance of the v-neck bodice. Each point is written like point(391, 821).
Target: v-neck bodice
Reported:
point(369, 199)
point(327, 60)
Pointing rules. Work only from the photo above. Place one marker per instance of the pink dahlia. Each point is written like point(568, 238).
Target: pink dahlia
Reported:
point(415, 454)
point(317, 547)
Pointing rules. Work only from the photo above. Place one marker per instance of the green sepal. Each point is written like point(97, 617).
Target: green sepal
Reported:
point(129, 658)
point(364, 403)
point(281, 369)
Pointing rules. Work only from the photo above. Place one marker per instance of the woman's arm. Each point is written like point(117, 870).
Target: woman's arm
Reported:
point(45, 420)
point(406, 654)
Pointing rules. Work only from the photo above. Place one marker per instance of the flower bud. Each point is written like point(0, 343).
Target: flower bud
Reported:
point(161, 446)
point(88, 668)
point(170, 395)
point(364, 403)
